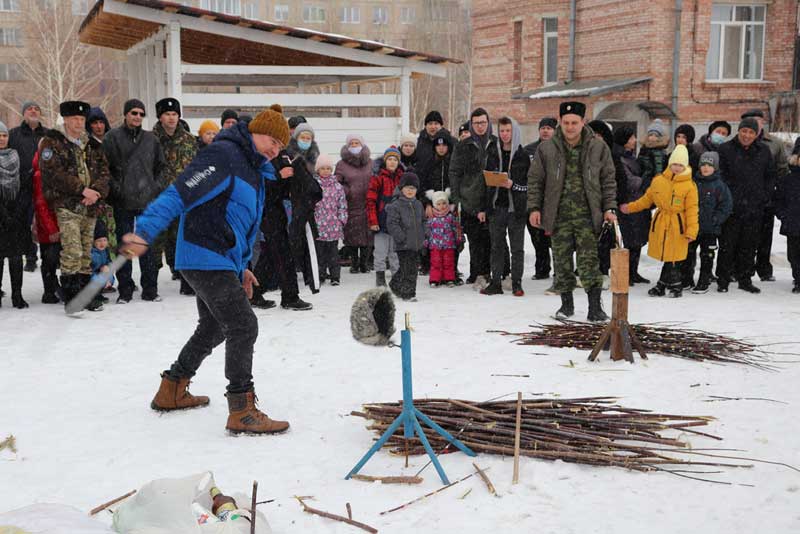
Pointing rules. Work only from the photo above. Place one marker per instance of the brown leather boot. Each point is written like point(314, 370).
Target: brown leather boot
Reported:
point(246, 418)
point(174, 395)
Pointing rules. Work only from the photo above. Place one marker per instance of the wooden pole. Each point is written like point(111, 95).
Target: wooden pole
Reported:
point(517, 432)
point(253, 508)
point(485, 479)
point(109, 503)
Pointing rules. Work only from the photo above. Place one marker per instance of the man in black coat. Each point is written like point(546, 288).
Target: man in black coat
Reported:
point(539, 240)
point(25, 140)
point(137, 164)
point(426, 150)
point(749, 170)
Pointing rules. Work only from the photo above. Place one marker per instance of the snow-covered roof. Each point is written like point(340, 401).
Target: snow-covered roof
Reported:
point(581, 88)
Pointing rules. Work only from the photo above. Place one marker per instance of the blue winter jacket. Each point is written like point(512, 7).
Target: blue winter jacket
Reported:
point(220, 199)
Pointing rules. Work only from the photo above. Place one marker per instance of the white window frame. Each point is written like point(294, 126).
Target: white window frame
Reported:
point(9, 6)
point(408, 15)
point(226, 7)
point(546, 36)
point(350, 15)
point(380, 15)
point(314, 14)
point(10, 37)
point(281, 12)
point(11, 72)
point(742, 50)
point(250, 11)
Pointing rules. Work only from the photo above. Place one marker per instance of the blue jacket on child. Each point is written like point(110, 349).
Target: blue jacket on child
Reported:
point(715, 202)
point(220, 200)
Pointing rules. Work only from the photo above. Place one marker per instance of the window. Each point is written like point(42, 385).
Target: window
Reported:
point(80, 7)
point(250, 11)
point(736, 42)
point(9, 5)
point(407, 15)
point(10, 37)
point(349, 15)
point(550, 51)
point(10, 72)
point(380, 15)
point(313, 14)
point(228, 7)
point(281, 13)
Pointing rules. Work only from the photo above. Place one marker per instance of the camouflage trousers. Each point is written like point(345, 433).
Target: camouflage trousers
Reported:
point(165, 246)
point(77, 238)
point(105, 213)
point(575, 236)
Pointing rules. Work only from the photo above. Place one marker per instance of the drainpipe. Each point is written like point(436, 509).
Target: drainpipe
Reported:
point(676, 60)
point(573, 8)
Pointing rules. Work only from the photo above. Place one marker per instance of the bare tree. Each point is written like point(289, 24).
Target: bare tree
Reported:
point(56, 66)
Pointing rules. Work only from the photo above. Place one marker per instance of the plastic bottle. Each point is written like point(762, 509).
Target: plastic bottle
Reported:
point(223, 505)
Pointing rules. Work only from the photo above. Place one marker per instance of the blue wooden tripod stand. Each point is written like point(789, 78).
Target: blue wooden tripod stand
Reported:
point(409, 418)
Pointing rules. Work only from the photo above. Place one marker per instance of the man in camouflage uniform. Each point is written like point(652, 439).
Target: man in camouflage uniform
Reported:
point(179, 147)
point(74, 178)
point(571, 191)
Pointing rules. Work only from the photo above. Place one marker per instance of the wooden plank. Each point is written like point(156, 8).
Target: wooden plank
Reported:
point(288, 70)
point(620, 279)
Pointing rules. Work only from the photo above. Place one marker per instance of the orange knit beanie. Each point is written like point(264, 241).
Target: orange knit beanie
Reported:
point(271, 122)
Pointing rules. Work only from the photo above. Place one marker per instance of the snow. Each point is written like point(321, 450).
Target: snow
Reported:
point(76, 394)
point(562, 93)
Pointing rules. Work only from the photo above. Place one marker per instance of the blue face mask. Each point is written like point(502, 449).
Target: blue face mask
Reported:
point(717, 139)
point(355, 150)
point(304, 145)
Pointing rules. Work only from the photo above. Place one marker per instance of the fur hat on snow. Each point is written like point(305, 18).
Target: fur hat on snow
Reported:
point(323, 160)
point(680, 156)
point(372, 317)
point(271, 122)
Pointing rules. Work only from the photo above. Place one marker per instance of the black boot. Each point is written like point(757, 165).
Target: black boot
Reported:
point(354, 262)
point(69, 287)
point(703, 284)
point(96, 304)
point(567, 309)
point(596, 313)
point(297, 304)
point(258, 301)
point(659, 290)
point(380, 278)
point(494, 288)
point(15, 268)
point(363, 262)
point(796, 288)
point(675, 292)
point(186, 289)
point(746, 284)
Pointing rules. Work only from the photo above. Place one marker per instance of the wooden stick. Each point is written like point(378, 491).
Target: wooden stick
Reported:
point(349, 511)
point(253, 508)
point(515, 480)
point(485, 479)
point(308, 509)
point(111, 502)
point(389, 480)
point(427, 495)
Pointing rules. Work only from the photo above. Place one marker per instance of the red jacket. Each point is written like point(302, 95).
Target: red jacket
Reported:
point(46, 223)
point(379, 194)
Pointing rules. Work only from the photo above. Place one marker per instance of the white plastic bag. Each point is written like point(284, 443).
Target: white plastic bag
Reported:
point(50, 519)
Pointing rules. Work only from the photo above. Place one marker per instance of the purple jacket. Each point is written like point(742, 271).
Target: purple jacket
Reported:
point(441, 232)
point(331, 212)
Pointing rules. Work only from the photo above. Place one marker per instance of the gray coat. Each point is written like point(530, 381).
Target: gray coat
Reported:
point(548, 172)
point(405, 224)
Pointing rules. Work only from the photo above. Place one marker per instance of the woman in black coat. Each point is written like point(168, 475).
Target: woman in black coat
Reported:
point(16, 202)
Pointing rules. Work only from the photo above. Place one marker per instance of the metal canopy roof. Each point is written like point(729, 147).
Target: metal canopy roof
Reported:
point(583, 88)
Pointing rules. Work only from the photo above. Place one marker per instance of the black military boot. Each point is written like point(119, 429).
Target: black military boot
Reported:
point(567, 309)
point(596, 313)
point(659, 290)
point(746, 284)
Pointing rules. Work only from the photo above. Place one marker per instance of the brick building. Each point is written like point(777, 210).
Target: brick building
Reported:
point(733, 56)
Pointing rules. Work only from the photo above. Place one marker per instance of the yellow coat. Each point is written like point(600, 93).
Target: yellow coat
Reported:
point(676, 217)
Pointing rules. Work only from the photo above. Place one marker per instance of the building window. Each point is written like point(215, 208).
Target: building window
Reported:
point(350, 15)
point(407, 15)
point(550, 50)
point(251, 11)
point(10, 37)
point(10, 72)
point(380, 15)
point(227, 7)
point(736, 42)
point(313, 14)
point(9, 5)
point(281, 13)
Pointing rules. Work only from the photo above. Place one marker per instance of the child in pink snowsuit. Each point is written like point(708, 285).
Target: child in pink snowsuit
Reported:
point(331, 216)
point(442, 238)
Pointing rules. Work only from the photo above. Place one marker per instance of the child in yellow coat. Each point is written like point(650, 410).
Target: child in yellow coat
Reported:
point(675, 222)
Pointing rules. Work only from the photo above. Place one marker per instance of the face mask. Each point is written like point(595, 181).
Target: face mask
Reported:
point(304, 145)
point(717, 139)
point(355, 150)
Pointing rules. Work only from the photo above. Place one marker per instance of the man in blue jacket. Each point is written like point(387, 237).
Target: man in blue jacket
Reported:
point(219, 198)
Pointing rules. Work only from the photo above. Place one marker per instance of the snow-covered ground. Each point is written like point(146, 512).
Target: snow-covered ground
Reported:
point(76, 394)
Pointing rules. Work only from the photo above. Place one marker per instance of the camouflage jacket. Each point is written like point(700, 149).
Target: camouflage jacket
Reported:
point(179, 150)
point(62, 180)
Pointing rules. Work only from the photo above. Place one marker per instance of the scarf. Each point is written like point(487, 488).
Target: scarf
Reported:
point(9, 174)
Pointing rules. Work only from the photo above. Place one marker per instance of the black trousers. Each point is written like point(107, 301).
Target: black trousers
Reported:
point(15, 270)
point(480, 245)
point(404, 281)
point(737, 248)
point(147, 263)
point(671, 275)
point(224, 314)
point(502, 223)
point(328, 259)
point(634, 254)
point(541, 244)
point(793, 253)
point(51, 255)
point(276, 264)
point(707, 243)
point(764, 248)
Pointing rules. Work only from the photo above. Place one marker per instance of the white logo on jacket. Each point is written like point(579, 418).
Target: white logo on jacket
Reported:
point(199, 176)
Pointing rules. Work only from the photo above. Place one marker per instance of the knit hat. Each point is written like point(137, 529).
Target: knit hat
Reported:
point(296, 121)
point(716, 124)
point(749, 122)
point(3, 128)
point(409, 179)
point(245, 118)
point(680, 155)
point(687, 130)
point(657, 127)
point(710, 158)
point(29, 104)
point(323, 160)
point(463, 128)
point(351, 137)
point(133, 103)
point(392, 151)
point(551, 122)
point(439, 196)
point(100, 229)
point(271, 122)
point(72, 108)
point(168, 104)
point(623, 134)
point(434, 116)
point(208, 126)
point(303, 127)
point(408, 138)
point(755, 112)
point(228, 114)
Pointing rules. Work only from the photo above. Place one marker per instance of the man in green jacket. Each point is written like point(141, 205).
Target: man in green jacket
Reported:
point(571, 191)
